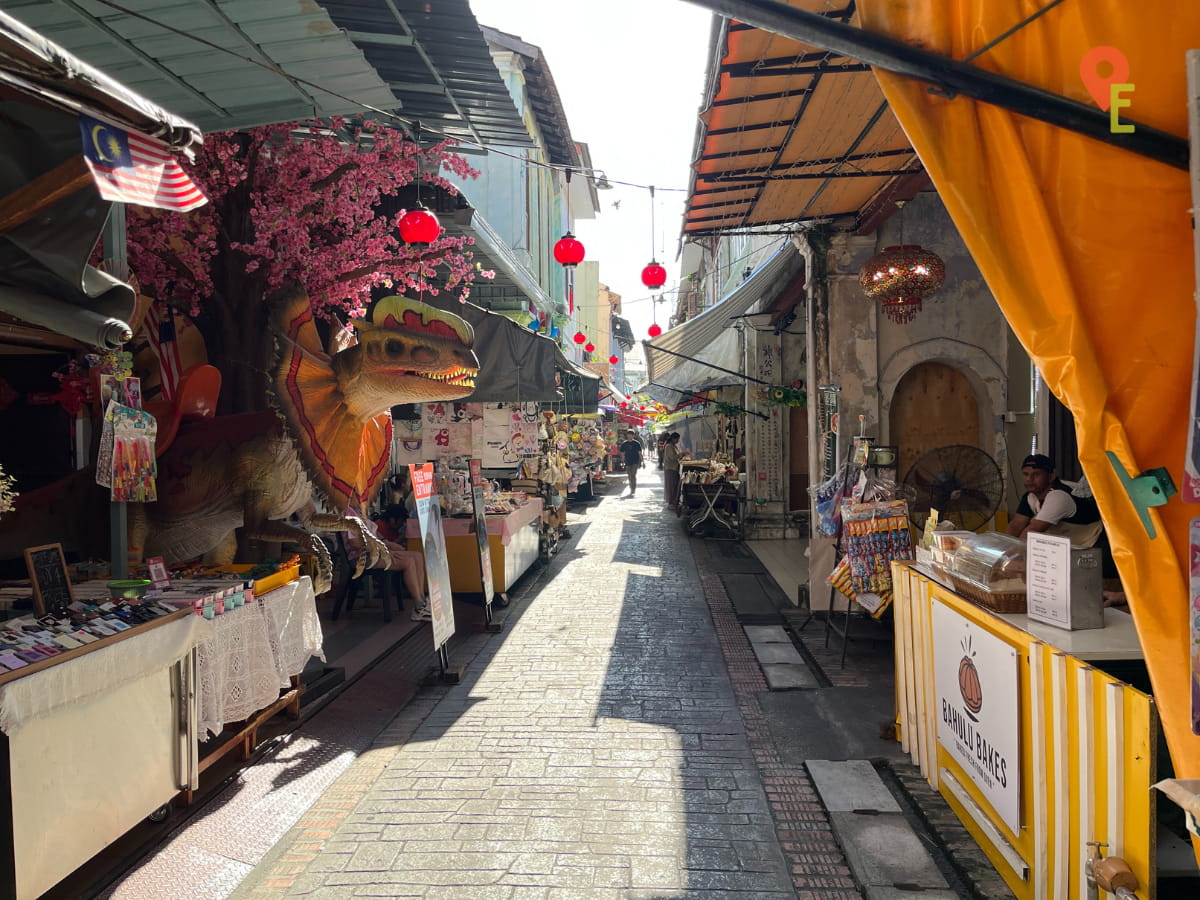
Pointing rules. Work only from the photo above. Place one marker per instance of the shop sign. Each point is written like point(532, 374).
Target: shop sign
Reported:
point(976, 679)
point(1048, 579)
point(433, 545)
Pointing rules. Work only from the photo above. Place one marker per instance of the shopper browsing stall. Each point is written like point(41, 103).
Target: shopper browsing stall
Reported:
point(670, 457)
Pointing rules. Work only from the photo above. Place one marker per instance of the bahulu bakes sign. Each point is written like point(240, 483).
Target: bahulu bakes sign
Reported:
point(976, 679)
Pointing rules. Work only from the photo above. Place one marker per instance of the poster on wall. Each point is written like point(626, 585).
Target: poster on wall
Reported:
point(481, 532)
point(509, 433)
point(976, 679)
point(433, 544)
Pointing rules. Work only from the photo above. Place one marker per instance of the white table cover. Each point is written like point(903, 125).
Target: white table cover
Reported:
point(253, 653)
point(76, 681)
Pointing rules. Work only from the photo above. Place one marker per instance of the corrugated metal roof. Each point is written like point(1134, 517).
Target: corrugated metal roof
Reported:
point(434, 58)
point(792, 132)
point(161, 53)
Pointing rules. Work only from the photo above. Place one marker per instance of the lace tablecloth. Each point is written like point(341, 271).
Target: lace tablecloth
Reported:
point(253, 653)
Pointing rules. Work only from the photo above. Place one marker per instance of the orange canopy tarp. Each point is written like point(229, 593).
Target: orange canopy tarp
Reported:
point(1088, 250)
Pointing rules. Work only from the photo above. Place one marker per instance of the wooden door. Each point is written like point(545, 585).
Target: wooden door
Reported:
point(934, 406)
point(798, 458)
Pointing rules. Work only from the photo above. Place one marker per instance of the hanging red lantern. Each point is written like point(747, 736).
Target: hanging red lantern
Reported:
point(654, 276)
point(624, 405)
point(900, 277)
point(568, 252)
point(589, 347)
point(614, 360)
point(654, 330)
point(419, 226)
point(580, 338)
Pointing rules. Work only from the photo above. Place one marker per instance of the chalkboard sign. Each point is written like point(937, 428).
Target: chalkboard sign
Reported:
point(51, 585)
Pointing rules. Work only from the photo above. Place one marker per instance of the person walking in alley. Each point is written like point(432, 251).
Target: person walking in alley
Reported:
point(632, 451)
point(671, 471)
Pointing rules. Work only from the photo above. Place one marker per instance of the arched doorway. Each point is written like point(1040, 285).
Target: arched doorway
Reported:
point(934, 405)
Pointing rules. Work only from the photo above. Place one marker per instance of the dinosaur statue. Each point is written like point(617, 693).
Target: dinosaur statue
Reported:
point(329, 437)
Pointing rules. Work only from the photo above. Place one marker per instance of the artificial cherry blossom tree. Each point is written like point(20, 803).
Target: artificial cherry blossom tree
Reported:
point(291, 205)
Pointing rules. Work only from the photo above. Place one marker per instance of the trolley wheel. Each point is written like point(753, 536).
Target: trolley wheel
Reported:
point(501, 600)
point(160, 815)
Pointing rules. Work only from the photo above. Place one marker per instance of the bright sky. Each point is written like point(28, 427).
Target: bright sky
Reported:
point(630, 74)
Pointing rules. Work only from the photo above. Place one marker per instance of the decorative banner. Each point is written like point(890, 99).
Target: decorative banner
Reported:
point(481, 532)
point(433, 544)
point(976, 679)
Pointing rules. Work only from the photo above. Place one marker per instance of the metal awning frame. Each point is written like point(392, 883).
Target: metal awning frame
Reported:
point(951, 77)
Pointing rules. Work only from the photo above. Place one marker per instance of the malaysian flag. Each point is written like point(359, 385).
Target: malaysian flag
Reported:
point(160, 329)
point(131, 168)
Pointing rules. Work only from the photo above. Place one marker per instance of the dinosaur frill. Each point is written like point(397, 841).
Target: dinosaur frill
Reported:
point(346, 456)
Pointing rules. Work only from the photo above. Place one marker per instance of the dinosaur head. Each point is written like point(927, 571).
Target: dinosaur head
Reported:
point(409, 353)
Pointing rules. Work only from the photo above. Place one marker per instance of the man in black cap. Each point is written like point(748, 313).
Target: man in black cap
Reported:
point(1049, 506)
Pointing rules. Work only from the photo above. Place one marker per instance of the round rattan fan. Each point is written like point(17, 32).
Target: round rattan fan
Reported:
point(961, 482)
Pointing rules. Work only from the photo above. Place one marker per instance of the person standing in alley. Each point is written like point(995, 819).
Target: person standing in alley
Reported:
point(632, 451)
point(671, 471)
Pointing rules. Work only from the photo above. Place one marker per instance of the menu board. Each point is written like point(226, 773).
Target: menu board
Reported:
point(1048, 579)
point(51, 584)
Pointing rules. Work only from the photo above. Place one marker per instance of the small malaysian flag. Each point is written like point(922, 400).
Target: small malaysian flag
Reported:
point(160, 329)
point(131, 168)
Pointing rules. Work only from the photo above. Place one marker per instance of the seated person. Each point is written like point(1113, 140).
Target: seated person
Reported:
point(1049, 506)
point(409, 563)
point(391, 523)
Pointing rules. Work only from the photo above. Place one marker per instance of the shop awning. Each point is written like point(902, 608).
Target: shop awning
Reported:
point(611, 398)
point(291, 61)
point(792, 132)
point(51, 214)
point(580, 388)
point(691, 376)
point(515, 365)
point(695, 337)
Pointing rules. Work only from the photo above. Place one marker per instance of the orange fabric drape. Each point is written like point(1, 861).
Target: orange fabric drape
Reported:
point(1088, 250)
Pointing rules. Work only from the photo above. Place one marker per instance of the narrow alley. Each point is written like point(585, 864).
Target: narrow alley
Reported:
point(616, 739)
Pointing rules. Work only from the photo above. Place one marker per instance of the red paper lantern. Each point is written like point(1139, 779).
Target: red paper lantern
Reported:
point(568, 252)
point(624, 405)
point(419, 226)
point(589, 347)
point(580, 338)
point(655, 330)
point(900, 276)
point(654, 276)
point(614, 360)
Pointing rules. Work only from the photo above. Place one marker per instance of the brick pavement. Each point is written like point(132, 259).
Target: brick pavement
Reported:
point(596, 748)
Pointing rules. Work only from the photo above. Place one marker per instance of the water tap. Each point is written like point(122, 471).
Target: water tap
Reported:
point(1111, 874)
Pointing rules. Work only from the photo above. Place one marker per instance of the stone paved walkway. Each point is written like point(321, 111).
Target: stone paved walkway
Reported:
point(594, 749)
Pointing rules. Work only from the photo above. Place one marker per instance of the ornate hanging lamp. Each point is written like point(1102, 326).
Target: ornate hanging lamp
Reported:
point(900, 276)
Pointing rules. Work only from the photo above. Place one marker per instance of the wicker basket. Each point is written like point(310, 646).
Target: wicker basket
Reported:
point(1001, 602)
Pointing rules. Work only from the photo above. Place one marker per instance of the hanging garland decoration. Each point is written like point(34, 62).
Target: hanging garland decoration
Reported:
point(728, 410)
point(785, 395)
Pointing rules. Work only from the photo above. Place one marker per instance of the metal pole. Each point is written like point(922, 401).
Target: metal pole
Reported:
point(951, 76)
point(710, 365)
